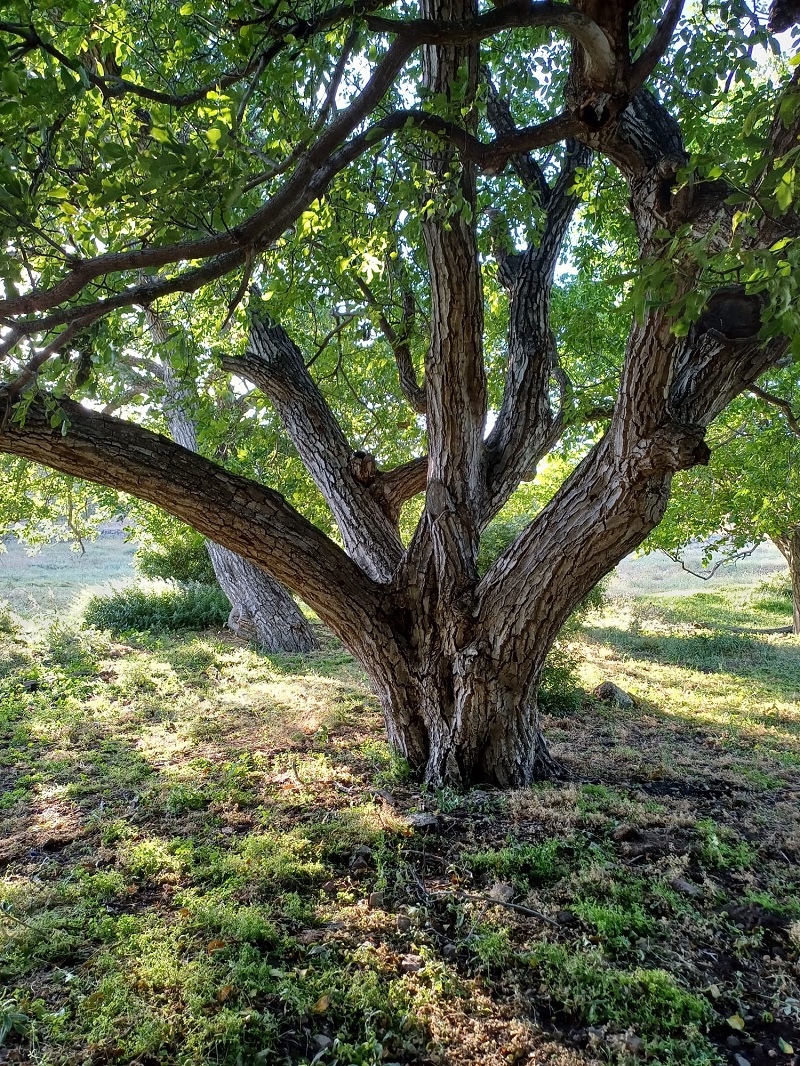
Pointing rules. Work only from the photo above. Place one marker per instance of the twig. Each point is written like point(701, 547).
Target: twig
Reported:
point(744, 554)
point(518, 907)
point(781, 404)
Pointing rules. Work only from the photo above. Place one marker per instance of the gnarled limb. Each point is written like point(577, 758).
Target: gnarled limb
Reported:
point(393, 487)
point(274, 363)
point(238, 513)
point(311, 176)
point(455, 376)
point(525, 424)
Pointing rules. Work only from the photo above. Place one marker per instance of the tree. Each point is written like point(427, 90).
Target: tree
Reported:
point(401, 183)
point(750, 491)
point(261, 610)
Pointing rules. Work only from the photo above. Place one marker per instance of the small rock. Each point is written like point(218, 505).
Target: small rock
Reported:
point(375, 901)
point(634, 1044)
point(686, 887)
point(227, 830)
point(502, 891)
point(740, 1060)
point(595, 1036)
point(403, 923)
point(411, 963)
point(733, 1042)
point(425, 823)
point(612, 693)
point(449, 952)
point(322, 1041)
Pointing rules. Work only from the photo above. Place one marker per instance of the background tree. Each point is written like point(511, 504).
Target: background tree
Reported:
point(750, 491)
point(261, 610)
point(345, 158)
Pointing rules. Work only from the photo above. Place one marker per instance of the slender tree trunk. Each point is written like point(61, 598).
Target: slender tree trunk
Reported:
point(262, 611)
point(789, 547)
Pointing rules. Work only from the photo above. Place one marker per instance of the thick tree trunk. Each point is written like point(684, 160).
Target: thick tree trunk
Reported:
point(261, 610)
point(789, 547)
point(460, 719)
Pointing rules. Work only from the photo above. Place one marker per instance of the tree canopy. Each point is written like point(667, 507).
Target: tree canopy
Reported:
point(440, 239)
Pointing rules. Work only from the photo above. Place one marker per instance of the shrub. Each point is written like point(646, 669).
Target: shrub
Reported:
point(182, 558)
point(9, 624)
point(191, 606)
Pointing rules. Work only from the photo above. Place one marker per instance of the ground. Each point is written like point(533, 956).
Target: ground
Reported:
point(209, 855)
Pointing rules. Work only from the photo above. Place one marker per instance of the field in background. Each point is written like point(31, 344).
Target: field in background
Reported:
point(654, 574)
point(56, 577)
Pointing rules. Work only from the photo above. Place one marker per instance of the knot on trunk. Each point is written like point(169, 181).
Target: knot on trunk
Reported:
point(698, 201)
point(676, 446)
point(363, 467)
point(731, 314)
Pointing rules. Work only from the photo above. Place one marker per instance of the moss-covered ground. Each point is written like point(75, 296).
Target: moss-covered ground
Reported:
point(209, 855)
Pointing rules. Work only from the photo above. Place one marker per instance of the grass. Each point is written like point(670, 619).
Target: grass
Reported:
point(54, 579)
point(206, 857)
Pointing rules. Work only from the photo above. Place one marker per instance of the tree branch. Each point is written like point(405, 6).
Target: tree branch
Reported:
point(710, 571)
point(393, 487)
point(644, 66)
point(398, 342)
point(313, 173)
point(508, 16)
point(525, 424)
point(781, 404)
point(274, 363)
point(498, 111)
point(234, 511)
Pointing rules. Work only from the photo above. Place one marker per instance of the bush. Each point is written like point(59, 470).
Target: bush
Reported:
point(182, 558)
point(191, 606)
point(9, 623)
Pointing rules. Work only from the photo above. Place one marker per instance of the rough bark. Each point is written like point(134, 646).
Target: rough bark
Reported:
point(261, 611)
point(789, 547)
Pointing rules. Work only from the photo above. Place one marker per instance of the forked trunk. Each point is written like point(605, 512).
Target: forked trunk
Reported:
point(789, 547)
point(461, 717)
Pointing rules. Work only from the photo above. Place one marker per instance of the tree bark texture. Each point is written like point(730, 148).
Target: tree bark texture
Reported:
point(789, 547)
point(261, 610)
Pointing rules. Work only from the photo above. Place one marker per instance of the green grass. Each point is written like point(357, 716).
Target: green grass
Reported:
point(56, 578)
point(196, 865)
